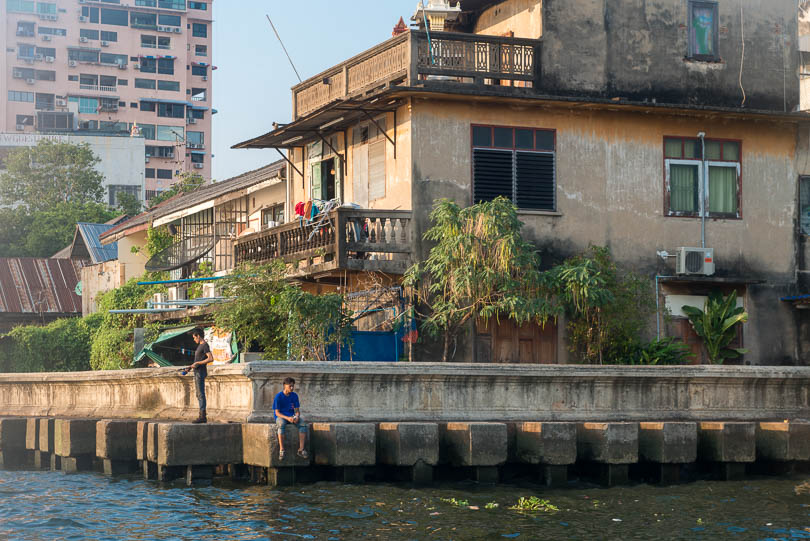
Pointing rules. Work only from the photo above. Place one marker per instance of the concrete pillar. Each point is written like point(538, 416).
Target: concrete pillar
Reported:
point(199, 475)
point(46, 434)
point(482, 446)
point(786, 441)
point(609, 448)
point(667, 445)
point(149, 468)
point(549, 446)
point(75, 443)
point(116, 442)
point(729, 445)
point(32, 433)
point(13, 454)
point(187, 444)
point(350, 448)
point(260, 448)
point(412, 447)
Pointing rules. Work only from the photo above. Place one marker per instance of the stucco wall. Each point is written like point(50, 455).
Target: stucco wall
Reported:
point(523, 18)
point(637, 49)
point(610, 191)
point(133, 263)
point(98, 279)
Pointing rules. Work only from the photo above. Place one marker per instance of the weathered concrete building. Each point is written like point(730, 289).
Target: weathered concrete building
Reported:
point(642, 125)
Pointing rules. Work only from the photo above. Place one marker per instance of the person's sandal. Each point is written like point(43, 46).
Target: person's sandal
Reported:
point(303, 453)
point(281, 454)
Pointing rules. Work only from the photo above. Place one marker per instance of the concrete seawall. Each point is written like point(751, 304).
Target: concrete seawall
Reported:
point(423, 392)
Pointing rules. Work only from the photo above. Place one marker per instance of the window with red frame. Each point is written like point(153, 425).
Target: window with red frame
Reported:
point(516, 163)
point(685, 169)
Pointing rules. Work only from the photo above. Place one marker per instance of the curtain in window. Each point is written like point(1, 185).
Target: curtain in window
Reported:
point(683, 184)
point(723, 189)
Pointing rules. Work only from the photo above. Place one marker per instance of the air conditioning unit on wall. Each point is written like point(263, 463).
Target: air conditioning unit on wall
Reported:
point(695, 261)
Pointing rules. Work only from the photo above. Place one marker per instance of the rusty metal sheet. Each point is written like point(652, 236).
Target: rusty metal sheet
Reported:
point(35, 286)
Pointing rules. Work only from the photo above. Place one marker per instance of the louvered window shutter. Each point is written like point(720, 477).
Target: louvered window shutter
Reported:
point(492, 174)
point(535, 180)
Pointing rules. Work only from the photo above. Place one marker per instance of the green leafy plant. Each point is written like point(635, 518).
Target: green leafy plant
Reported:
point(314, 322)
point(112, 349)
point(479, 267)
point(533, 503)
point(456, 503)
point(61, 346)
point(717, 324)
point(607, 309)
point(491, 505)
point(204, 270)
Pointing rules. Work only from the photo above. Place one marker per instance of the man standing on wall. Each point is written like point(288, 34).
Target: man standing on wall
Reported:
point(202, 358)
point(287, 410)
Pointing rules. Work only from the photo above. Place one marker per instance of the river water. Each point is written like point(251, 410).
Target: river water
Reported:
point(43, 505)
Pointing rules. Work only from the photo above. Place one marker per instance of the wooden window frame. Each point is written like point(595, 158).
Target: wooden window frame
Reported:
point(715, 30)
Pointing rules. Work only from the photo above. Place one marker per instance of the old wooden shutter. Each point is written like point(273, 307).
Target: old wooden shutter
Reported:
point(492, 174)
point(535, 180)
point(376, 170)
point(316, 181)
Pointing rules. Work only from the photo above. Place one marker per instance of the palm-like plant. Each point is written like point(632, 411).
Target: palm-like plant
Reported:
point(716, 325)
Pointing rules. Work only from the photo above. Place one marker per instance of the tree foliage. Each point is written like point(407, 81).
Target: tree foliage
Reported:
point(279, 318)
point(51, 173)
point(60, 346)
point(607, 308)
point(479, 267)
point(717, 324)
point(188, 182)
point(129, 204)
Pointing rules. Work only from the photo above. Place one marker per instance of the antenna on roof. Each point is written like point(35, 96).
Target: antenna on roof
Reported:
point(283, 47)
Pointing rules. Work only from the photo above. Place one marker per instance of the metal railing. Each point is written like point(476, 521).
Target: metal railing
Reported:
point(411, 59)
point(351, 239)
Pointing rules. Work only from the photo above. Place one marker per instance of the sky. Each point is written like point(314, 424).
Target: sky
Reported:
point(251, 86)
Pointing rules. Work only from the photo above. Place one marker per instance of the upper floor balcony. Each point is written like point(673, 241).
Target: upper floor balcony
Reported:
point(343, 239)
point(414, 59)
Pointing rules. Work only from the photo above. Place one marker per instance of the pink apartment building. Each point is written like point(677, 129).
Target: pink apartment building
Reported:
point(105, 67)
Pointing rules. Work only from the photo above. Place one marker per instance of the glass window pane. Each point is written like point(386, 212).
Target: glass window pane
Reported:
point(672, 148)
point(804, 204)
point(712, 150)
point(482, 136)
point(503, 137)
point(723, 189)
point(701, 34)
point(731, 152)
point(544, 140)
point(524, 139)
point(683, 184)
point(691, 149)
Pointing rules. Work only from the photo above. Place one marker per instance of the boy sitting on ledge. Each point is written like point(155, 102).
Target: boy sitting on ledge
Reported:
point(287, 410)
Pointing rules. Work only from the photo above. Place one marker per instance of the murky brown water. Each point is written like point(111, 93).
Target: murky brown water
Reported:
point(37, 506)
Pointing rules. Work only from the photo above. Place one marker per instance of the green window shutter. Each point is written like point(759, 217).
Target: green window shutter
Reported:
point(316, 181)
point(338, 178)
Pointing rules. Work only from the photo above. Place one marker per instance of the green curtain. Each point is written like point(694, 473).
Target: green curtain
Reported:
point(723, 189)
point(683, 184)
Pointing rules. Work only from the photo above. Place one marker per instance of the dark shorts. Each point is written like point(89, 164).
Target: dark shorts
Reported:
point(282, 424)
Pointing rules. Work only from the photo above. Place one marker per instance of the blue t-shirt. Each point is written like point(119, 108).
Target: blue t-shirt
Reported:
point(285, 404)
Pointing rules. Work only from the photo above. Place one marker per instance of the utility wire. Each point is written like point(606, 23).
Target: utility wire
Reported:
point(283, 47)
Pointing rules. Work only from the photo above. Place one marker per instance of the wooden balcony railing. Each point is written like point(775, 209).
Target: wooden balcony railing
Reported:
point(349, 239)
point(411, 59)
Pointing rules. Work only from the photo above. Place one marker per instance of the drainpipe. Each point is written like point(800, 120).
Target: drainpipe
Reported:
point(703, 176)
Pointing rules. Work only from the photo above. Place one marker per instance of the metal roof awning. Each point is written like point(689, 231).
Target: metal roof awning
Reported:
point(333, 117)
point(198, 107)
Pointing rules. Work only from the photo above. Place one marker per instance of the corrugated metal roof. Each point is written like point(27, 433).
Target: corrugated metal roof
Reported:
point(33, 286)
point(98, 253)
point(201, 194)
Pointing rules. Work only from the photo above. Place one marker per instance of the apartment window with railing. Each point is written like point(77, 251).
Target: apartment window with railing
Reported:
point(197, 157)
point(149, 172)
point(199, 70)
point(164, 4)
point(171, 110)
point(197, 114)
point(88, 81)
point(116, 59)
point(24, 73)
point(82, 55)
point(46, 51)
point(88, 106)
point(159, 152)
point(516, 163)
point(169, 20)
point(172, 86)
point(107, 83)
point(148, 106)
point(195, 138)
point(44, 102)
point(25, 120)
point(90, 14)
point(88, 33)
point(685, 171)
point(46, 8)
point(164, 42)
point(175, 134)
point(199, 30)
point(42, 30)
point(20, 6)
point(25, 51)
point(145, 83)
point(25, 97)
point(198, 94)
point(201, 50)
point(148, 42)
point(45, 75)
point(148, 65)
point(165, 174)
point(142, 20)
point(165, 66)
point(117, 17)
point(202, 6)
point(109, 36)
point(25, 29)
point(147, 130)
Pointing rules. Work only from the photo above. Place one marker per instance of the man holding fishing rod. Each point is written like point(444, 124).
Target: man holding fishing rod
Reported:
point(202, 358)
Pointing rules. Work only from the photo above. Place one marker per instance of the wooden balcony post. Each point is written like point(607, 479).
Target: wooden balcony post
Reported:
point(341, 254)
point(413, 56)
